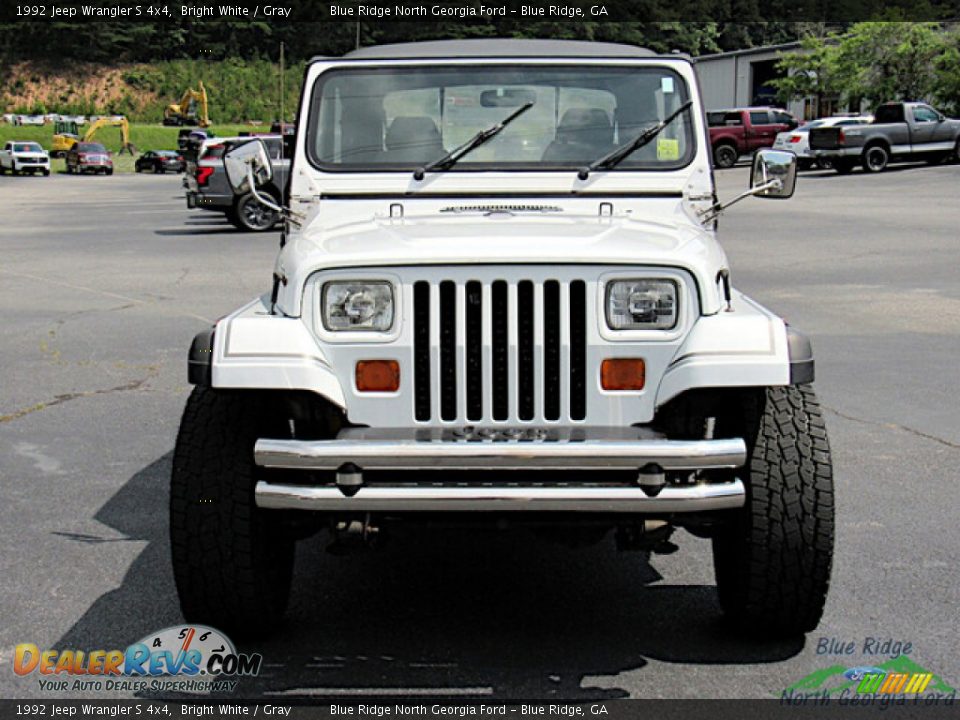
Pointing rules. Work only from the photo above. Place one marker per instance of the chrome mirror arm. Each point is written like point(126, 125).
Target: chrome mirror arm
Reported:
point(267, 201)
point(713, 212)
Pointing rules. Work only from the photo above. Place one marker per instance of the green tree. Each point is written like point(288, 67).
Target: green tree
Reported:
point(947, 72)
point(890, 60)
point(811, 70)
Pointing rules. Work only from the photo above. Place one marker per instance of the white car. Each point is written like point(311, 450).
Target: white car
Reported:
point(500, 300)
point(798, 140)
point(31, 120)
point(24, 157)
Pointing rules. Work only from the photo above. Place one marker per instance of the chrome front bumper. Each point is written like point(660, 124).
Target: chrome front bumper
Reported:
point(697, 498)
point(599, 449)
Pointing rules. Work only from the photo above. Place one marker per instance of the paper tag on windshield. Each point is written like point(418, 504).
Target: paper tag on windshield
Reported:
point(666, 84)
point(668, 149)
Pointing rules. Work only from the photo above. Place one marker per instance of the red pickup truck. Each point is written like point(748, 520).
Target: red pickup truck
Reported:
point(739, 131)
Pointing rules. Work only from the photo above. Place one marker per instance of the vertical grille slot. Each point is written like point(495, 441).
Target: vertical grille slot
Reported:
point(448, 350)
point(421, 350)
point(474, 351)
point(551, 350)
point(525, 375)
point(501, 386)
point(578, 350)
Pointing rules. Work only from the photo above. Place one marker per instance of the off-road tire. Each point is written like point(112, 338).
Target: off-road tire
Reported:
point(232, 562)
point(773, 560)
point(725, 156)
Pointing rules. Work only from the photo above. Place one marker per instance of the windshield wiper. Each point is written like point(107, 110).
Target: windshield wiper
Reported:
point(451, 158)
point(614, 158)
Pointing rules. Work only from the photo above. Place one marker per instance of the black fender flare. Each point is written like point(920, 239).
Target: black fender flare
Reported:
point(200, 358)
point(800, 350)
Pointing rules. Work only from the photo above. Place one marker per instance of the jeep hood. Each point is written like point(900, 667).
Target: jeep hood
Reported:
point(454, 238)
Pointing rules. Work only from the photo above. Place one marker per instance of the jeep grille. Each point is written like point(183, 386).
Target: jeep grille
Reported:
point(516, 327)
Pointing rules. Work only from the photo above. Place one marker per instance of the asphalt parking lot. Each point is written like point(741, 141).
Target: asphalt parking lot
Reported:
point(104, 281)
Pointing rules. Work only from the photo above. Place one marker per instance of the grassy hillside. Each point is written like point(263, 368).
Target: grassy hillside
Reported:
point(143, 136)
point(238, 90)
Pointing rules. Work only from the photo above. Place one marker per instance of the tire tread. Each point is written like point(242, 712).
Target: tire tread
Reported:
point(231, 570)
point(773, 567)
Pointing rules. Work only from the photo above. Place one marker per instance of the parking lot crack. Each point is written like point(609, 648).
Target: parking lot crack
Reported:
point(894, 426)
point(105, 293)
point(67, 397)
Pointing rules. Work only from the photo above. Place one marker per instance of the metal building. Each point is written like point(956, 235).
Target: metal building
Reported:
point(741, 78)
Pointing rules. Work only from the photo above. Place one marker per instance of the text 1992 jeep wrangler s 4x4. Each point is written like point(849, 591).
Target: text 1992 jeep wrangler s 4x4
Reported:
point(500, 296)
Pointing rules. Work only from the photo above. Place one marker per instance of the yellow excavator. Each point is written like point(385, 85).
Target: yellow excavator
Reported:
point(120, 122)
point(65, 134)
point(191, 110)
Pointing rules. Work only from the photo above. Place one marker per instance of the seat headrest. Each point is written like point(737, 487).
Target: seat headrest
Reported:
point(412, 131)
point(585, 125)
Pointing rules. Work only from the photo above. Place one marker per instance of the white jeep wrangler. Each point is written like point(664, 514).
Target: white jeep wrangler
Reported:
point(499, 297)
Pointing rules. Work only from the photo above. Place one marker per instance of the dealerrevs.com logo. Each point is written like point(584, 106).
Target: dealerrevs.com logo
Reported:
point(183, 658)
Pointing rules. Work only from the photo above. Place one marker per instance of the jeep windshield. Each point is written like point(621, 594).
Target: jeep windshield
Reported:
point(402, 118)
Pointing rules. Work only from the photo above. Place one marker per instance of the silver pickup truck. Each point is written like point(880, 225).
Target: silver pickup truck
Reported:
point(899, 132)
point(207, 187)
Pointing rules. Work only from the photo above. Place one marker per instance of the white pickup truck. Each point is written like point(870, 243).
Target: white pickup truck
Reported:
point(24, 157)
point(500, 299)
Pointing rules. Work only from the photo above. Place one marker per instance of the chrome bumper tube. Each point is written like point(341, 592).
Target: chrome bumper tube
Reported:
point(599, 449)
point(695, 498)
point(587, 454)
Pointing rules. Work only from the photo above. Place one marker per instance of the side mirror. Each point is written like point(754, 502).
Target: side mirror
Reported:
point(774, 174)
point(247, 165)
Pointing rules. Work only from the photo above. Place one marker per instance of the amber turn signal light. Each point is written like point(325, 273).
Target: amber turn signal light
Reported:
point(378, 376)
point(622, 374)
